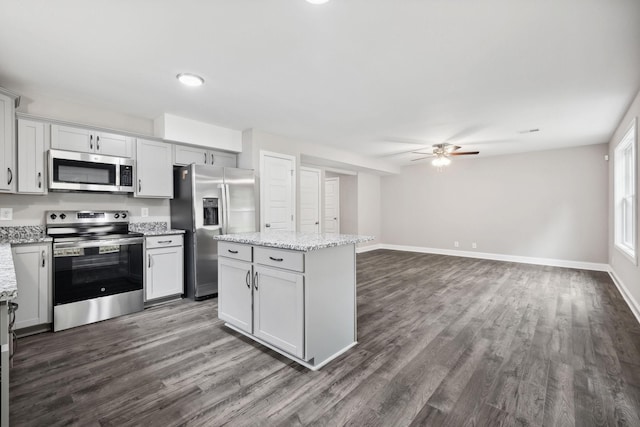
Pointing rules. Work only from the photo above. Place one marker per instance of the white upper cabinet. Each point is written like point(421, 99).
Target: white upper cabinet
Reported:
point(32, 148)
point(154, 168)
point(7, 145)
point(90, 141)
point(185, 155)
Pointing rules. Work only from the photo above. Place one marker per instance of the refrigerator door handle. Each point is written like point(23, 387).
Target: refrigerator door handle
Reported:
point(223, 201)
point(226, 208)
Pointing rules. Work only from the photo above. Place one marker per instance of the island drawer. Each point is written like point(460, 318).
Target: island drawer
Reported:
point(289, 260)
point(164, 241)
point(235, 251)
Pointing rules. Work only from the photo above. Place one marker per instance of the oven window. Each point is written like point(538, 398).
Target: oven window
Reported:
point(83, 172)
point(86, 273)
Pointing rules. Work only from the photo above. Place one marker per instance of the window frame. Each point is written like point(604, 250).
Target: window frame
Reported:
point(625, 193)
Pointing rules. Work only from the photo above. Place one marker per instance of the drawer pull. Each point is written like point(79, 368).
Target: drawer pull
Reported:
point(164, 242)
point(232, 252)
point(276, 259)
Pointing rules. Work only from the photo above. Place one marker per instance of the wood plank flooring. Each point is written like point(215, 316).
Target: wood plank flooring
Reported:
point(442, 341)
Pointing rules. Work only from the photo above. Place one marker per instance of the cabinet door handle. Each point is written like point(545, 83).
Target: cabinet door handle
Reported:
point(39, 179)
point(246, 279)
point(91, 141)
point(255, 281)
point(139, 185)
point(211, 158)
point(267, 225)
point(43, 258)
point(98, 142)
point(232, 252)
point(276, 259)
point(149, 260)
point(9, 176)
point(205, 158)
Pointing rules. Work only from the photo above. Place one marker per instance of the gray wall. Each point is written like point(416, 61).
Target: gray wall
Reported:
point(348, 204)
point(546, 204)
point(369, 203)
point(622, 267)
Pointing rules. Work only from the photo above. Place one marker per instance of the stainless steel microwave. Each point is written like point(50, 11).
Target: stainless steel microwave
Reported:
point(71, 171)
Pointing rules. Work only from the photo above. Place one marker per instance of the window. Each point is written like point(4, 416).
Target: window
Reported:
point(624, 190)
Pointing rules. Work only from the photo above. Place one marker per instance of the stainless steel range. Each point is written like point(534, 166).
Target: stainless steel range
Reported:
point(97, 266)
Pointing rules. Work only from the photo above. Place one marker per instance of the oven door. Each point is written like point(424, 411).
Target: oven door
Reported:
point(89, 269)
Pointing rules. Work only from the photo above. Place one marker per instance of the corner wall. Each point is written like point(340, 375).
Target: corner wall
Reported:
point(547, 205)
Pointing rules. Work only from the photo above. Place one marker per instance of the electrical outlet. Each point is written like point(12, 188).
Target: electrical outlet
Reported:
point(456, 244)
point(474, 245)
point(6, 214)
point(144, 212)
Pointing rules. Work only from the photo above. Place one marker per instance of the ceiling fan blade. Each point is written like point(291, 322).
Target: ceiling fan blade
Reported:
point(420, 152)
point(464, 153)
point(421, 158)
point(451, 148)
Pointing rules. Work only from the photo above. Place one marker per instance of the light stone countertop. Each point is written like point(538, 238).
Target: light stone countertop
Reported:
point(23, 234)
point(8, 287)
point(162, 232)
point(294, 241)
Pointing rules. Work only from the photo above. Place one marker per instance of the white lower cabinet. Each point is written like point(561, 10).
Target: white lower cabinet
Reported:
point(33, 265)
point(301, 304)
point(164, 273)
point(235, 282)
point(278, 309)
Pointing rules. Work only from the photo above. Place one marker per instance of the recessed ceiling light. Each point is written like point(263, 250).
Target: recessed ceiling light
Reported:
point(317, 1)
point(190, 79)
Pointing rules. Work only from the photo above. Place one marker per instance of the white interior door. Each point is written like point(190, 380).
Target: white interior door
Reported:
point(309, 200)
point(332, 205)
point(277, 191)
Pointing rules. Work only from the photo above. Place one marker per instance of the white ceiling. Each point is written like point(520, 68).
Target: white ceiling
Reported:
point(372, 76)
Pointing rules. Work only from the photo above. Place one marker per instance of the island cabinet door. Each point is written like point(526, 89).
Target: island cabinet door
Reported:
point(278, 298)
point(235, 282)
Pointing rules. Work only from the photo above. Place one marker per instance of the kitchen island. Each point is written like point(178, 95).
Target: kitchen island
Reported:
point(8, 291)
point(292, 292)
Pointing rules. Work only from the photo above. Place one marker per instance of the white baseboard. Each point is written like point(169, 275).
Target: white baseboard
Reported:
point(624, 291)
point(369, 248)
point(496, 257)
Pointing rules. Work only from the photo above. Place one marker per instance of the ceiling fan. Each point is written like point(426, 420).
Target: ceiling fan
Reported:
point(442, 153)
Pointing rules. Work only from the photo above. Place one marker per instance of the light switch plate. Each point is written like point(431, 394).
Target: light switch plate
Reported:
point(144, 212)
point(6, 214)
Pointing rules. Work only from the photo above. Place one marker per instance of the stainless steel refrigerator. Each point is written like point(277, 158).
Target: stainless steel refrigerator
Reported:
point(210, 200)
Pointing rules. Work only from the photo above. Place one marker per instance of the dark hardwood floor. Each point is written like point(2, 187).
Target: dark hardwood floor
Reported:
point(442, 341)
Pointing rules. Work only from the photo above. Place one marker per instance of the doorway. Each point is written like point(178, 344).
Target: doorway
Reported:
point(332, 205)
point(277, 192)
point(310, 200)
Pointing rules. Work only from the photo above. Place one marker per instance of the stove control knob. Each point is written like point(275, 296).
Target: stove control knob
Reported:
point(62, 216)
point(116, 216)
point(124, 215)
point(53, 216)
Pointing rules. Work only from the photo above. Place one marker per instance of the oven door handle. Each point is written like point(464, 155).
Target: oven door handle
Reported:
point(98, 243)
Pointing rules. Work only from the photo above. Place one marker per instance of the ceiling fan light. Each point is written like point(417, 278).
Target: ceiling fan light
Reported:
point(441, 161)
point(189, 79)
